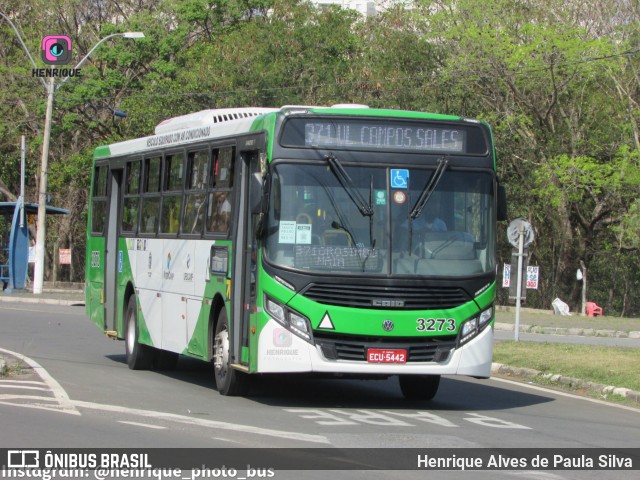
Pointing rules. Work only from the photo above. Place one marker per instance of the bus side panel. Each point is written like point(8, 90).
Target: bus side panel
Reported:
point(150, 318)
point(148, 285)
point(125, 275)
point(199, 307)
point(95, 280)
point(177, 286)
point(207, 287)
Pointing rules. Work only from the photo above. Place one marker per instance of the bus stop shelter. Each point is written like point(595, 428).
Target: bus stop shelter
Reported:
point(14, 241)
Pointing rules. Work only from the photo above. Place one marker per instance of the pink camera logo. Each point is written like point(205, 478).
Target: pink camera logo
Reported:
point(56, 50)
point(282, 338)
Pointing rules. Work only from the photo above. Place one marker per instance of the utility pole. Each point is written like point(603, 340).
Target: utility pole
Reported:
point(38, 271)
point(50, 88)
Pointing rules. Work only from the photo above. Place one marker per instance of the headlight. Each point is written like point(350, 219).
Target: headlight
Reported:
point(274, 309)
point(469, 328)
point(475, 325)
point(292, 320)
point(485, 317)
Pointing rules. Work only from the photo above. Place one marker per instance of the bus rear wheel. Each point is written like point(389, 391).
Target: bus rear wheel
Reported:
point(419, 387)
point(229, 381)
point(139, 357)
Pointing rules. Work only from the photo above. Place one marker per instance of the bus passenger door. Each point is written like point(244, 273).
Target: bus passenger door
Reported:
point(111, 250)
point(249, 151)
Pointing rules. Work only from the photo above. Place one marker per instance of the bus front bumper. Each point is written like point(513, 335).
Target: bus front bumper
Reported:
point(280, 351)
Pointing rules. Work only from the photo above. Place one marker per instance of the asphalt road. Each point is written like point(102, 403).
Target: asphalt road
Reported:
point(81, 394)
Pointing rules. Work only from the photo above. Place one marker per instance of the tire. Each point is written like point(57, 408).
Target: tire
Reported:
point(419, 387)
point(229, 382)
point(139, 357)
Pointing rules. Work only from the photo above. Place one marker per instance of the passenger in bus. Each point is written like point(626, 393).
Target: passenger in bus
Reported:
point(427, 222)
point(220, 212)
point(433, 223)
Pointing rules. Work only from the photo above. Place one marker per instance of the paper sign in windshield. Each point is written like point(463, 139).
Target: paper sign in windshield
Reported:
point(287, 232)
point(294, 233)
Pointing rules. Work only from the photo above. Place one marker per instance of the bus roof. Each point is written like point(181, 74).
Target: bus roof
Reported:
point(219, 123)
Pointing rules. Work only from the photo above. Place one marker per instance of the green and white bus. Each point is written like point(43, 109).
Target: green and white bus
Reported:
point(335, 240)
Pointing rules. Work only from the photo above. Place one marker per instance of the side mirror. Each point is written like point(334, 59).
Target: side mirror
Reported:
point(502, 203)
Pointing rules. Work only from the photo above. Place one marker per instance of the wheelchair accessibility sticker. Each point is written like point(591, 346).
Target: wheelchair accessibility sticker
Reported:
point(399, 178)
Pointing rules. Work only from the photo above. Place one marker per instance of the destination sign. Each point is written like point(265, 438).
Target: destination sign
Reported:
point(382, 134)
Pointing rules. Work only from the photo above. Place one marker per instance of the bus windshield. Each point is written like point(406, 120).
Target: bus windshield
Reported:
point(370, 224)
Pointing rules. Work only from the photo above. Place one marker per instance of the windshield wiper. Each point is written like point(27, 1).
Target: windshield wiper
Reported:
point(366, 209)
point(428, 189)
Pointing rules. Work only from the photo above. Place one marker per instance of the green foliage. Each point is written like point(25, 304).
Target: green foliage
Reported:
point(558, 84)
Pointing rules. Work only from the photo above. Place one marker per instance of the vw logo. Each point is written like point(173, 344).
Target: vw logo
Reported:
point(387, 325)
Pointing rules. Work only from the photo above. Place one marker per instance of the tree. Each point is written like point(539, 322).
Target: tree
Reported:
point(541, 74)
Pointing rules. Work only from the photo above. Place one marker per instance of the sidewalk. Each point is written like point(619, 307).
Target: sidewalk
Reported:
point(499, 369)
point(586, 332)
point(544, 321)
point(49, 296)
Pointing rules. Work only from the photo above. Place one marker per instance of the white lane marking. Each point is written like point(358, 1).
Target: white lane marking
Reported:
point(58, 392)
point(565, 394)
point(536, 475)
point(9, 396)
point(24, 387)
point(493, 422)
point(203, 422)
point(224, 440)
point(22, 382)
point(69, 406)
point(35, 406)
point(144, 425)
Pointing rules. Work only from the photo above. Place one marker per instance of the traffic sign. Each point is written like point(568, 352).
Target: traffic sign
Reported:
point(513, 232)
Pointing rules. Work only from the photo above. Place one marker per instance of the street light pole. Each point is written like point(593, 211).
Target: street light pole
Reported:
point(24, 47)
point(38, 271)
point(50, 88)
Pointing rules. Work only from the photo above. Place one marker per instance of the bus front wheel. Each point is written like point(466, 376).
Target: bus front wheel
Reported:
point(229, 381)
point(138, 356)
point(419, 387)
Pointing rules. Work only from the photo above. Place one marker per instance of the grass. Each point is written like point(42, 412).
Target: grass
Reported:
point(615, 366)
point(12, 368)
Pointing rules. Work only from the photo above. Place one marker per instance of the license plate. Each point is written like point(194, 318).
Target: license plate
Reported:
point(386, 355)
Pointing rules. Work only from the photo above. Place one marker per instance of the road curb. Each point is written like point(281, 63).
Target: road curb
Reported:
point(586, 332)
point(45, 301)
point(576, 383)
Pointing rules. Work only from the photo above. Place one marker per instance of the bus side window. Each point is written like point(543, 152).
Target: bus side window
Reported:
point(149, 215)
point(99, 201)
point(131, 204)
point(150, 201)
point(224, 168)
point(220, 209)
point(219, 213)
point(195, 197)
point(172, 193)
point(152, 175)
